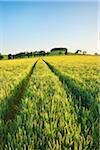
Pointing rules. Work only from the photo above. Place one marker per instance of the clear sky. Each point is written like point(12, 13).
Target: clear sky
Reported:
point(30, 26)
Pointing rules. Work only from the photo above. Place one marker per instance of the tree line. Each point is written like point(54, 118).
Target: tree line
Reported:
point(54, 51)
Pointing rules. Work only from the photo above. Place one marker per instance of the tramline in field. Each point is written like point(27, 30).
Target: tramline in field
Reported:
point(11, 73)
point(58, 109)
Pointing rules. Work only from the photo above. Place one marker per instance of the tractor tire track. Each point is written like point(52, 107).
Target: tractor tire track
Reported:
point(82, 99)
point(14, 102)
point(76, 90)
point(13, 106)
point(79, 95)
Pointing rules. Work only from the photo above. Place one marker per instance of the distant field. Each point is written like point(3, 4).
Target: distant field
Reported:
point(50, 103)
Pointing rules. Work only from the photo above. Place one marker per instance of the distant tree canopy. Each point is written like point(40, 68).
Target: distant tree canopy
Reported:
point(84, 52)
point(10, 56)
point(40, 53)
point(78, 51)
point(54, 51)
point(95, 53)
point(23, 54)
point(59, 50)
point(29, 54)
point(20, 55)
point(1, 56)
point(66, 52)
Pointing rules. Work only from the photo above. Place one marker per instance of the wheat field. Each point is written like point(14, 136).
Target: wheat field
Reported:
point(50, 103)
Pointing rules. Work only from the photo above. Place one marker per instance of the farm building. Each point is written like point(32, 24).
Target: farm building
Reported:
point(58, 51)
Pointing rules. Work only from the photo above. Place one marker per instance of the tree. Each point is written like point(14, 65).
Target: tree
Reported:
point(1, 56)
point(84, 52)
point(28, 55)
point(66, 51)
point(10, 56)
point(78, 51)
point(95, 53)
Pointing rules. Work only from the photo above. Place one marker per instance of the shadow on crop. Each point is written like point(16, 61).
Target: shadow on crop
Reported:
point(12, 106)
point(86, 107)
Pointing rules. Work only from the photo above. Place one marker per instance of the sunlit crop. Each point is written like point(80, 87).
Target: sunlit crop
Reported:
point(57, 110)
point(11, 73)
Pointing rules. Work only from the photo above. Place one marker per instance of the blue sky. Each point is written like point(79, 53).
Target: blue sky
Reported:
point(30, 26)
